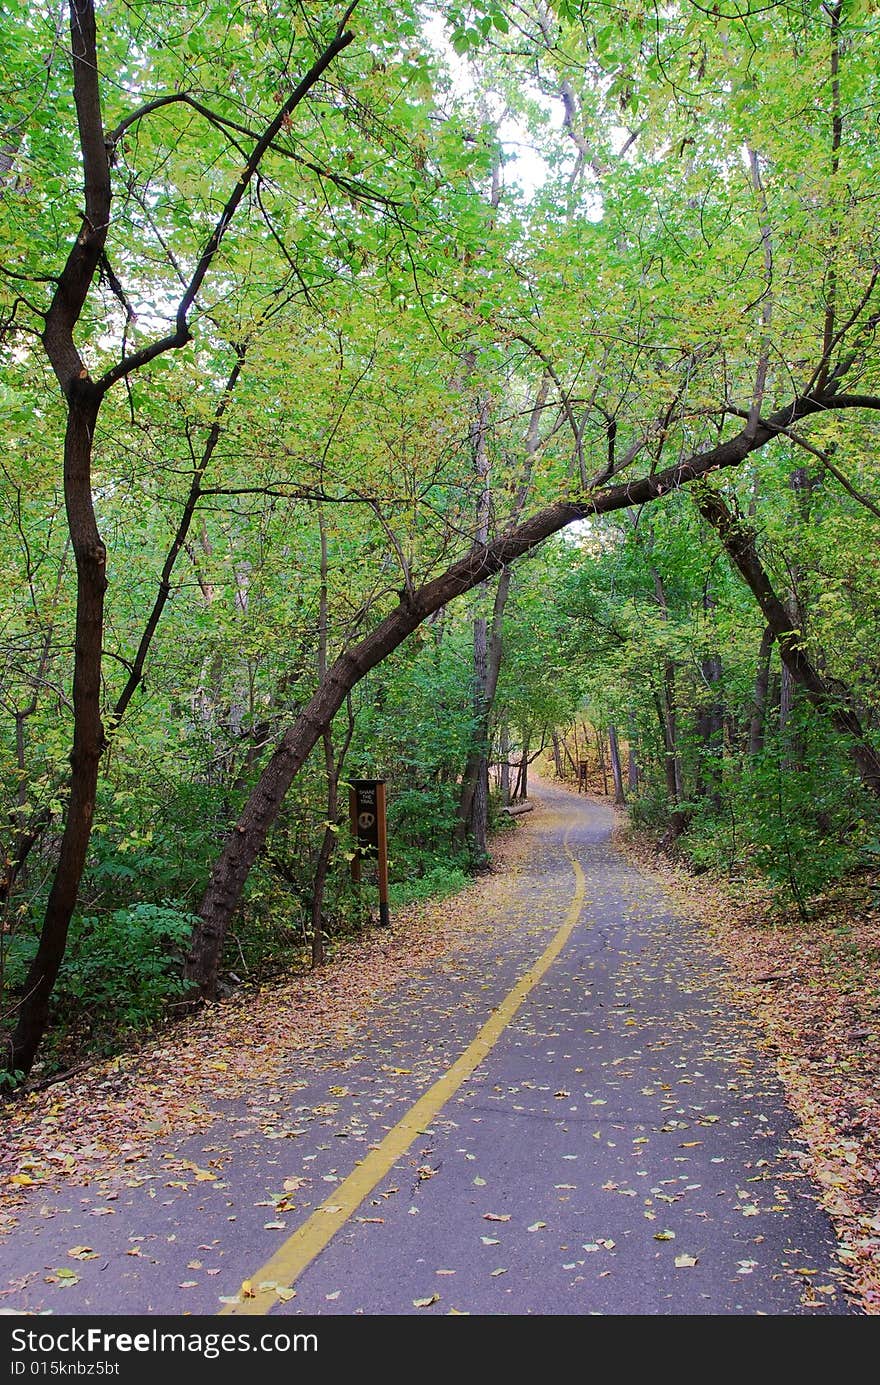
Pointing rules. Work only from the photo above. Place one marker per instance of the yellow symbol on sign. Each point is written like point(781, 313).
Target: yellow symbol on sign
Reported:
point(366, 820)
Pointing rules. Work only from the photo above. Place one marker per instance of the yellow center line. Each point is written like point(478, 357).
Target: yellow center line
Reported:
point(307, 1242)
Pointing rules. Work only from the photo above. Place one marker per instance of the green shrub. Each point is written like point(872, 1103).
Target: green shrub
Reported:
point(438, 882)
point(123, 968)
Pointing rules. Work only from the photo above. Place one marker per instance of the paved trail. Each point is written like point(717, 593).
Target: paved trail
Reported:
point(609, 1139)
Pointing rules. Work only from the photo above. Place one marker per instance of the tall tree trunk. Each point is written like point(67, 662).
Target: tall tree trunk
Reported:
point(88, 732)
point(83, 398)
point(473, 810)
point(600, 754)
point(487, 667)
point(557, 755)
point(325, 853)
point(616, 771)
point(521, 787)
point(83, 403)
point(709, 727)
point(759, 697)
point(669, 721)
point(837, 705)
point(473, 807)
point(504, 755)
point(632, 765)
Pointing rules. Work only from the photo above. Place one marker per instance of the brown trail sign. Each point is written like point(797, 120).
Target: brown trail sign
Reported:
point(366, 805)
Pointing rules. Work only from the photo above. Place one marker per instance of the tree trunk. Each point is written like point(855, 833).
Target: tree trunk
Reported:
point(739, 543)
point(487, 667)
point(669, 722)
point(521, 787)
point(83, 403)
point(473, 809)
point(632, 766)
point(88, 732)
point(557, 756)
point(328, 842)
point(504, 754)
point(84, 397)
point(600, 752)
point(616, 771)
point(759, 697)
point(709, 727)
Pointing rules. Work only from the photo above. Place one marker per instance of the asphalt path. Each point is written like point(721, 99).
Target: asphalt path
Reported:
point(566, 1117)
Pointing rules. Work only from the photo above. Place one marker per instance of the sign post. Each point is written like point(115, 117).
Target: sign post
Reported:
point(366, 807)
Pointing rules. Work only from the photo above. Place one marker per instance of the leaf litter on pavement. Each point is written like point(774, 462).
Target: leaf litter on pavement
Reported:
point(814, 989)
point(97, 1126)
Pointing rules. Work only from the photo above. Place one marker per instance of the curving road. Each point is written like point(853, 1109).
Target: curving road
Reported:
point(567, 1117)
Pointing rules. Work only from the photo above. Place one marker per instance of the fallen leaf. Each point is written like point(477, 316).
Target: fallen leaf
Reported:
point(496, 1216)
point(685, 1262)
point(426, 1302)
point(664, 1235)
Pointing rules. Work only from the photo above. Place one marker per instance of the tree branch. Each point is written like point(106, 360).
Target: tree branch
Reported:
point(182, 334)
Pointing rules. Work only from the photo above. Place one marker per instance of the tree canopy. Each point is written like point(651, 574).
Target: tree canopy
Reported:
point(319, 324)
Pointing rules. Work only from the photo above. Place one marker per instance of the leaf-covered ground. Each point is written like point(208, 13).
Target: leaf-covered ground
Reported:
point(814, 987)
point(105, 1119)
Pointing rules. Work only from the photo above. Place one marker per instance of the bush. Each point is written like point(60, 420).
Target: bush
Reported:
point(437, 883)
point(124, 968)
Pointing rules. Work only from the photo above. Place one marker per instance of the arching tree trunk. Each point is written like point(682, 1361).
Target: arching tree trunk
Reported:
point(740, 545)
point(246, 839)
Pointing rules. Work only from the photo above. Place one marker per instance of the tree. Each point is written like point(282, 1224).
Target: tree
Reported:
point(695, 279)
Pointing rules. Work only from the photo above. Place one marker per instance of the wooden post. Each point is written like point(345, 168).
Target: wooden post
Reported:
point(383, 854)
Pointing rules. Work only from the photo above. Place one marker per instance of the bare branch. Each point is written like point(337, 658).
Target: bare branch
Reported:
point(182, 334)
